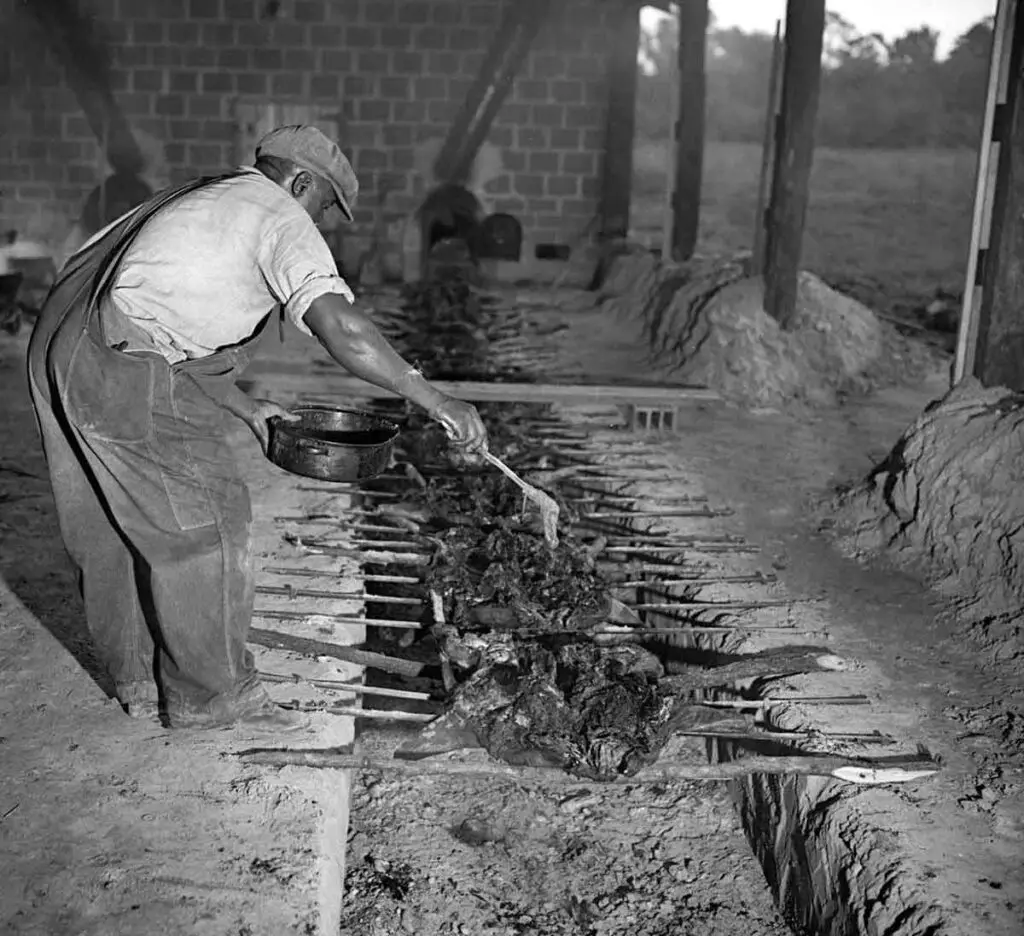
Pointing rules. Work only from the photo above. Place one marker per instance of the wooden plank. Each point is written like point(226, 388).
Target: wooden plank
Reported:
point(999, 346)
point(689, 130)
point(771, 118)
point(620, 121)
point(292, 378)
point(794, 154)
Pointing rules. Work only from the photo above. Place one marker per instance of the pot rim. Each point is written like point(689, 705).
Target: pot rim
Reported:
point(382, 422)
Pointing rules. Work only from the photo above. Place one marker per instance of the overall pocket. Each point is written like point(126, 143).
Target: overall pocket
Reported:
point(110, 394)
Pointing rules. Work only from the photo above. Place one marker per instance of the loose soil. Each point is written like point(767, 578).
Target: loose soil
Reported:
point(432, 856)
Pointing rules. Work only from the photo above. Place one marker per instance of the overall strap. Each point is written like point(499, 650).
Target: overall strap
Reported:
point(134, 223)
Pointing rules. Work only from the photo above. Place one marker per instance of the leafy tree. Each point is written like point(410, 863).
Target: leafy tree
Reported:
point(874, 94)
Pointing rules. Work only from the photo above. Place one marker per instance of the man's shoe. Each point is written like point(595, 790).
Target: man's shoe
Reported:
point(271, 717)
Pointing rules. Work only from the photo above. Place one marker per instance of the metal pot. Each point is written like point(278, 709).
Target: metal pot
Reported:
point(330, 443)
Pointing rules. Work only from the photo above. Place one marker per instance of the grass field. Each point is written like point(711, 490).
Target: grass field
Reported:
point(893, 222)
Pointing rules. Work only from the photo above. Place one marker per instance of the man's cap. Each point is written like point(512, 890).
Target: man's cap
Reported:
point(310, 148)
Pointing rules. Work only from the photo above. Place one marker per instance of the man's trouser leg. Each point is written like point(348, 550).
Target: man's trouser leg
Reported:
point(155, 445)
point(105, 562)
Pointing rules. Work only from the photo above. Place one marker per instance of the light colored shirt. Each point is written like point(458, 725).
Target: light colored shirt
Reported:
point(207, 269)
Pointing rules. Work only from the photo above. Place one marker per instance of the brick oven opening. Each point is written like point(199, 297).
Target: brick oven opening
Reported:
point(454, 230)
point(450, 221)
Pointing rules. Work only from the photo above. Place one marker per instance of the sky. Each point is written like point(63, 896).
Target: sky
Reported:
point(891, 18)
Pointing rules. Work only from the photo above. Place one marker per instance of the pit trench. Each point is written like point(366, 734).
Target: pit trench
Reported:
point(810, 867)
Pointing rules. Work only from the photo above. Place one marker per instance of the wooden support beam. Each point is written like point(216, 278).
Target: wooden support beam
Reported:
point(999, 345)
point(689, 129)
point(290, 381)
point(794, 154)
point(522, 21)
point(73, 39)
point(620, 121)
point(771, 119)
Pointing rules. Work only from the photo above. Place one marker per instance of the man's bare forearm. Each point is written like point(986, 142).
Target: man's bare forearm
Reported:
point(357, 344)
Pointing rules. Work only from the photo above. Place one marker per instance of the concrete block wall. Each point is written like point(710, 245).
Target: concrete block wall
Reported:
point(392, 72)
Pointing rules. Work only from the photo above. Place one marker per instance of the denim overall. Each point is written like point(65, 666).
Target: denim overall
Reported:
point(151, 505)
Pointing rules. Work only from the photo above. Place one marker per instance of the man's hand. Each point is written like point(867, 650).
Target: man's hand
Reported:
point(464, 427)
point(262, 411)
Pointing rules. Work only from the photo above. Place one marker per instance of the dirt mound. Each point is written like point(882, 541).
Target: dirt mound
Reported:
point(704, 323)
point(949, 501)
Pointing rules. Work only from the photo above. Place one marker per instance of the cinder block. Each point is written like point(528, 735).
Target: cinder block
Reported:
point(309, 11)
point(206, 106)
point(300, 60)
point(561, 186)
point(584, 115)
point(501, 136)
point(543, 161)
point(583, 164)
point(430, 37)
point(398, 135)
point(142, 32)
point(325, 86)
point(148, 79)
point(528, 184)
point(206, 155)
point(380, 11)
point(252, 83)
point(339, 60)
point(374, 110)
point(184, 129)
point(442, 63)
point(199, 57)
point(513, 205)
point(218, 35)
point(234, 59)
point(406, 62)
point(283, 34)
point(368, 159)
point(395, 37)
point(564, 138)
point(395, 87)
point(287, 83)
point(442, 112)
point(530, 89)
point(448, 14)
point(466, 39)
point(482, 14)
point(361, 37)
point(544, 65)
point(429, 88)
point(548, 115)
point(166, 105)
point(372, 62)
point(268, 59)
point(538, 206)
point(204, 9)
point(235, 10)
point(408, 111)
point(326, 36)
point(413, 12)
point(565, 91)
point(531, 138)
point(403, 159)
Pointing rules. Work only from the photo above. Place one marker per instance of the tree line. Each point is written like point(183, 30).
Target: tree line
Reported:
point(874, 94)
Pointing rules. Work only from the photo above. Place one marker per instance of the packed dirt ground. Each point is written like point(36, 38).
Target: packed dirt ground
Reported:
point(428, 857)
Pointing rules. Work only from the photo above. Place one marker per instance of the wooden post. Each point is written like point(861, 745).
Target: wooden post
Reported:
point(523, 20)
point(771, 118)
point(999, 348)
point(981, 221)
point(620, 123)
point(689, 130)
point(794, 154)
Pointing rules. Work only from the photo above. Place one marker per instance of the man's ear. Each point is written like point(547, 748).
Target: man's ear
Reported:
point(302, 183)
